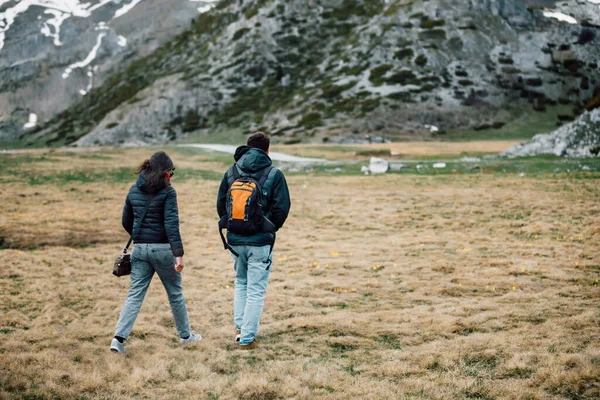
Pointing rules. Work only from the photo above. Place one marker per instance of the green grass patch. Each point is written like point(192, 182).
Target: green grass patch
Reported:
point(21, 171)
point(341, 347)
point(390, 341)
point(530, 167)
point(524, 125)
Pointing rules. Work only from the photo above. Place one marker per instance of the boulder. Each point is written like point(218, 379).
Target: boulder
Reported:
point(378, 166)
point(580, 138)
point(470, 159)
point(398, 166)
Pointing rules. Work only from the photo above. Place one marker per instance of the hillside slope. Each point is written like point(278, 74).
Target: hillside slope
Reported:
point(317, 69)
point(53, 52)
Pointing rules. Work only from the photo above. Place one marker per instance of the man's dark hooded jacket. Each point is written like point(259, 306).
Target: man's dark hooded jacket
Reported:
point(252, 161)
point(161, 223)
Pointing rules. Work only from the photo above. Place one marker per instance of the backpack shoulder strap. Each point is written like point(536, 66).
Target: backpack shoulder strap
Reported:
point(233, 173)
point(264, 176)
point(269, 179)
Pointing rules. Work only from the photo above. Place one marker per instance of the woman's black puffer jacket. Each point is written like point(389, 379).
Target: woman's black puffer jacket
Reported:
point(161, 223)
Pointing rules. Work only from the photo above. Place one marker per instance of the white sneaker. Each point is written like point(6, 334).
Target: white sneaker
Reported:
point(238, 335)
point(194, 337)
point(116, 346)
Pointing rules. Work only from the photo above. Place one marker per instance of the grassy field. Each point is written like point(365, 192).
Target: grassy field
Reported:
point(456, 284)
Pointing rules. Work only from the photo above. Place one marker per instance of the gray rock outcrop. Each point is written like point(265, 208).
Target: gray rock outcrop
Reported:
point(580, 138)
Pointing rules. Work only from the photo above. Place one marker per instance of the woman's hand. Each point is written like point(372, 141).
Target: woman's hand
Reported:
point(178, 264)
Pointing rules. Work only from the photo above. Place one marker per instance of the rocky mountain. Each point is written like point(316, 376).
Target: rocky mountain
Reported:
point(53, 52)
point(317, 70)
point(580, 138)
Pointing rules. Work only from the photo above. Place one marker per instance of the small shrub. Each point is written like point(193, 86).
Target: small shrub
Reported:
point(345, 105)
point(348, 70)
point(112, 125)
point(404, 43)
point(404, 77)
point(341, 347)
point(239, 34)
point(534, 82)
point(433, 34)
point(369, 105)
point(421, 60)
point(518, 373)
point(432, 23)
point(331, 92)
point(377, 73)
point(404, 53)
point(191, 121)
point(311, 120)
point(402, 96)
point(350, 8)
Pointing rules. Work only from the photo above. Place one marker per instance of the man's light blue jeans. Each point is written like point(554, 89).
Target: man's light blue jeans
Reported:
point(252, 270)
point(145, 260)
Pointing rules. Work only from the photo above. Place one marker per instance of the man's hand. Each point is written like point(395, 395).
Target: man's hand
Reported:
point(178, 264)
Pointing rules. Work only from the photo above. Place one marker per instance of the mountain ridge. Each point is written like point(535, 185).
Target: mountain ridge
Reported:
point(309, 70)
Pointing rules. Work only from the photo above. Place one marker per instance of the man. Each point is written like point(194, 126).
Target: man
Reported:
point(252, 252)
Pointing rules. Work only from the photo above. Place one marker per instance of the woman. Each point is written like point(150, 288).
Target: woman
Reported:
point(158, 247)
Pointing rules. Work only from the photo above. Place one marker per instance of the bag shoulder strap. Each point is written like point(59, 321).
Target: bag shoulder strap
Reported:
point(264, 176)
point(267, 186)
point(233, 173)
point(139, 224)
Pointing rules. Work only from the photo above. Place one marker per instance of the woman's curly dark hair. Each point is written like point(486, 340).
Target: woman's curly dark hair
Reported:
point(154, 170)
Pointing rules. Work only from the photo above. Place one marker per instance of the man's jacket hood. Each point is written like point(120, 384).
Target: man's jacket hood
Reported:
point(251, 159)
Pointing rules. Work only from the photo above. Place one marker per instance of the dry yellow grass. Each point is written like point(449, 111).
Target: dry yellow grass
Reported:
point(403, 150)
point(388, 287)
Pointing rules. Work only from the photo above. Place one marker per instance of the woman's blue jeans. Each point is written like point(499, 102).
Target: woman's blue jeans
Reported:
point(147, 259)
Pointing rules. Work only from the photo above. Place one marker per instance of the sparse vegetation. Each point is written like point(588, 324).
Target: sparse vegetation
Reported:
point(433, 35)
point(311, 120)
point(421, 60)
point(403, 77)
point(404, 53)
point(377, 73)
point(432, 23)
point(240, 33)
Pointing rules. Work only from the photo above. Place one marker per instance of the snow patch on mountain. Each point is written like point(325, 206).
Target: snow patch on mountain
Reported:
point(205, 6)
point(91, 56)
point(126, 8)
point(32, 121)
point(61, 10)
point(560, 16)
point(51, 28)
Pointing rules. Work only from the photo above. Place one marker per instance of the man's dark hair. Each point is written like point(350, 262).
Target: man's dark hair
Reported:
point(260, 141)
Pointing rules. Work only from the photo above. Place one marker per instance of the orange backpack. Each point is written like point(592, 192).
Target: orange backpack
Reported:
point(246, 199)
